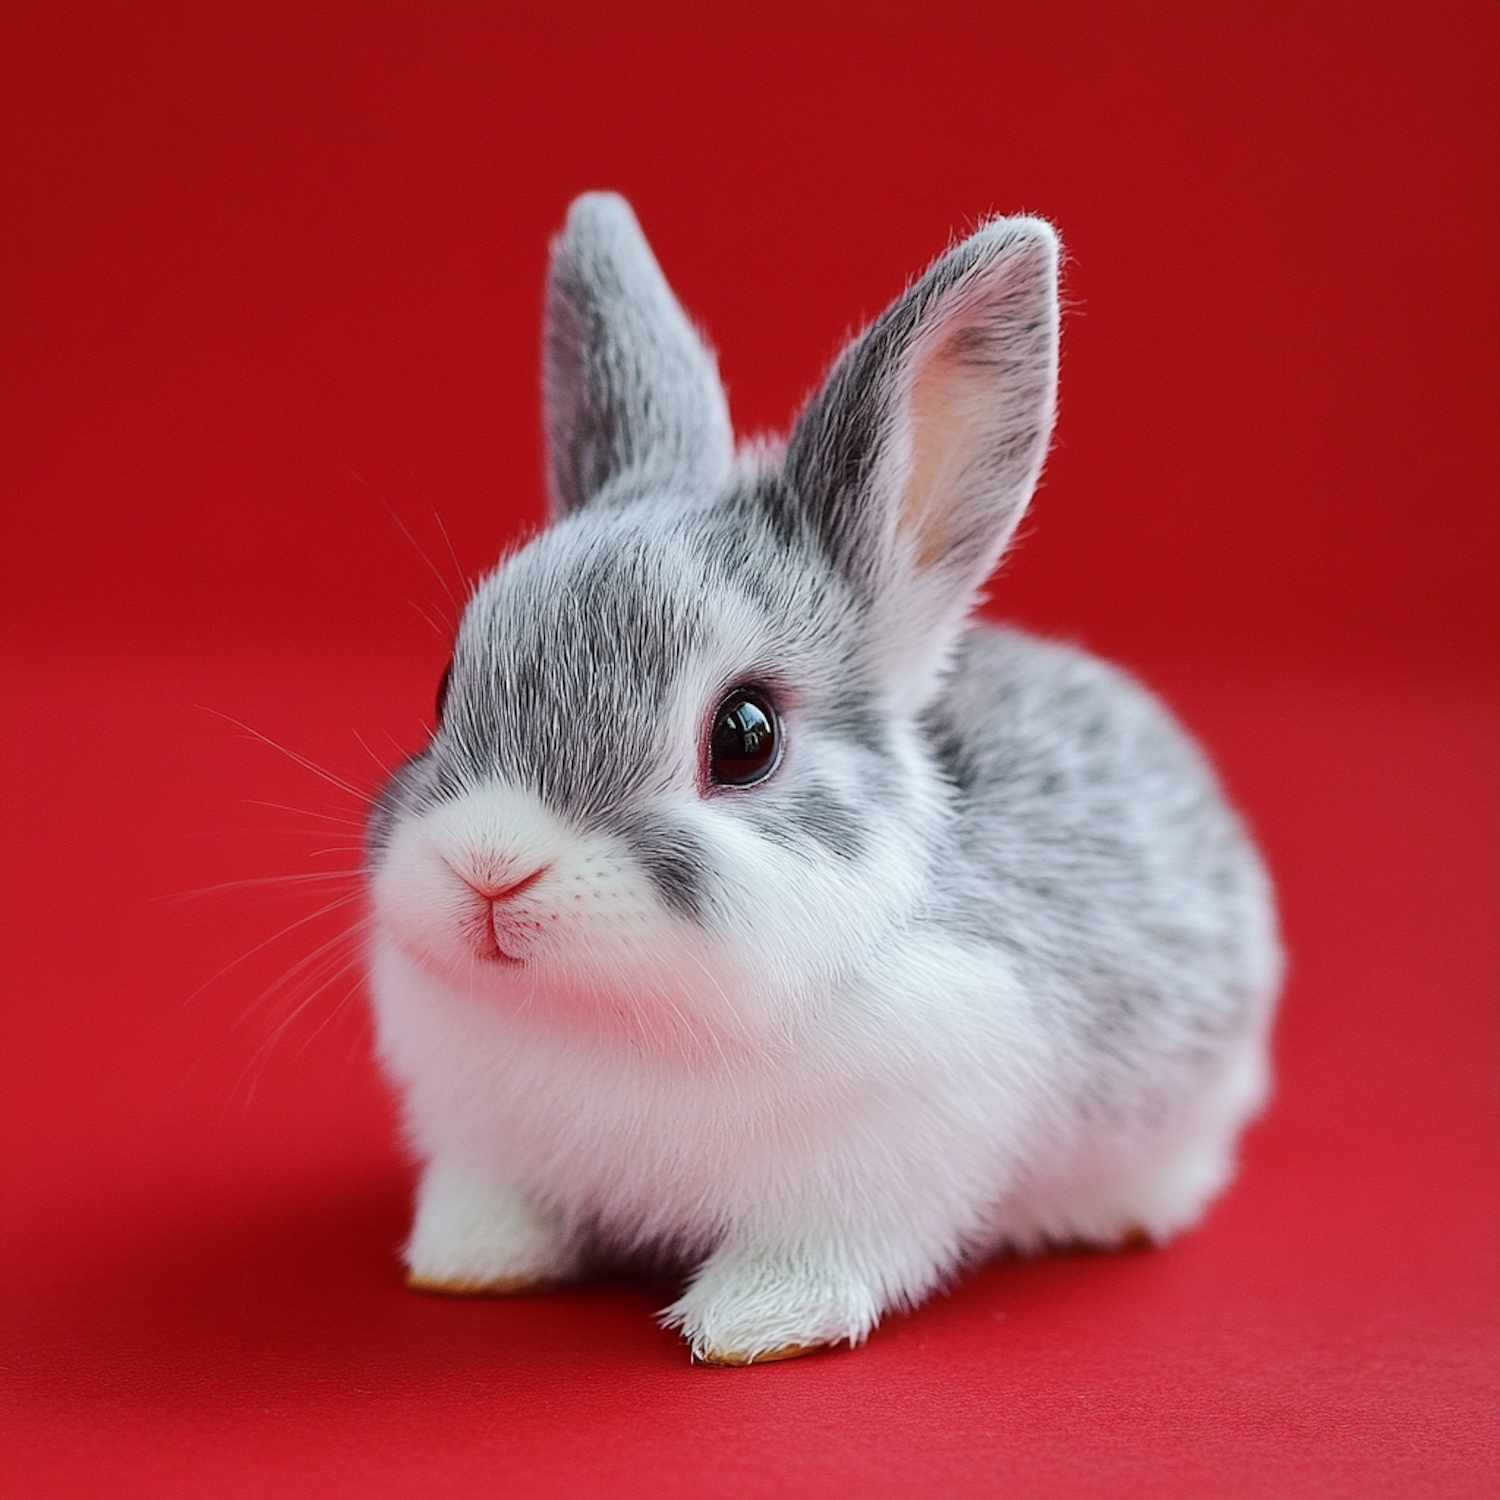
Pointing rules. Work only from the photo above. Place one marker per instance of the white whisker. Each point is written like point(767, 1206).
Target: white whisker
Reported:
point(260, 881)
point(439, 628)
point(301, 760)
point(305, 812)
point(336, 1009)
point(303, 968)
point(275, 937)
point(405, 531)
point(322, 968)
point(385, 770)
point(458, 567)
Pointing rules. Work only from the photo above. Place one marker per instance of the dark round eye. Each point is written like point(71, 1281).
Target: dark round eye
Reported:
point(442, 692)
point(745, 741)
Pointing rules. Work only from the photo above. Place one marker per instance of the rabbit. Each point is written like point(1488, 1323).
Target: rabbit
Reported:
point(753, 907)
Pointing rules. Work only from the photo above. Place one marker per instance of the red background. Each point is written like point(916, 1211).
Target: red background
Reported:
point(272, 281)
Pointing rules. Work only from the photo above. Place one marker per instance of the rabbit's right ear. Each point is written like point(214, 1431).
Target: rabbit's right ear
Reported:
point(913, 464)
point(633, 400)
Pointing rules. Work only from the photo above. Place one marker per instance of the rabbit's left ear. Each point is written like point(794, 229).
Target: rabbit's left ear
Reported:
point(914, 462)
point(633, 400)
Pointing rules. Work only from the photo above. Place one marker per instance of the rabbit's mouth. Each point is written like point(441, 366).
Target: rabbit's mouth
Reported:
point(497, 940)
point(488, 934)
point(495, 927)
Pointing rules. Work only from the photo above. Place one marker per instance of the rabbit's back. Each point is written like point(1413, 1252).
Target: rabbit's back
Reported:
point(1097, 849)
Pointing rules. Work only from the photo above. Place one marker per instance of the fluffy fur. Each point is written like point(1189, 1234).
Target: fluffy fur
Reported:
point(986, 961)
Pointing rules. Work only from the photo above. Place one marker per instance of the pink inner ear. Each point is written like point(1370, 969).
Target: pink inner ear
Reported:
point(949, 406)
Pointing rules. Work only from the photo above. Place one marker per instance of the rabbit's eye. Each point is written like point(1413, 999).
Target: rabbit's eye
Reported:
point(745, 742)
point(442, 692)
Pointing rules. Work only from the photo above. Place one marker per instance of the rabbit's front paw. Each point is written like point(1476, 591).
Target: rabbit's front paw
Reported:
point(750, 1308)
point(476, 1237)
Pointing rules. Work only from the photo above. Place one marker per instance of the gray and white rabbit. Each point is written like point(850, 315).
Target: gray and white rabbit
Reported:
point(756, 909)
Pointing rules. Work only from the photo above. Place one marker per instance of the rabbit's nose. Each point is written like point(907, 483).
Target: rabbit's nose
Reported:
point(500, 890)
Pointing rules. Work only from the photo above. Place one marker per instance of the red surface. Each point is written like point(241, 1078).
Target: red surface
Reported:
point(254, 252)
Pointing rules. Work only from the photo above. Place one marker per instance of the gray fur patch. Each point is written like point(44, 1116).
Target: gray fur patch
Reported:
point(563, 670)
point(817, 812)
point(1074, 794)
point(676, 862)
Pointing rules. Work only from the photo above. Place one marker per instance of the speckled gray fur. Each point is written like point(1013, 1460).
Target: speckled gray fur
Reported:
point(1088, 830)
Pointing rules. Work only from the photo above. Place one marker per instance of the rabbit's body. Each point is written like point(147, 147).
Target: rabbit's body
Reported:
point(978, 958)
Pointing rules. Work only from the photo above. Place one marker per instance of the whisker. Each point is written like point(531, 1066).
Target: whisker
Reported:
point(313, 984)
point(305, 812)
point(690, 1029)
point(385, 770)
point(304, 968)
point(458, 608)
point(246, 832)
point(323, 967)
point(729, 1004)
point(287, 833)
point(336, 1009)
point(256, 1064)
point(301, 760)
point(458, 567)
point(251, 882)
point(438, 627)
point(275, 937)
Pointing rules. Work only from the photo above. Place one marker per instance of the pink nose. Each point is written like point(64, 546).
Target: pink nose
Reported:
point(502, 891)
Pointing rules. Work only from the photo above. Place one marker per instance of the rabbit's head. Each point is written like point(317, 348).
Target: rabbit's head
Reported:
point(679, 787)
